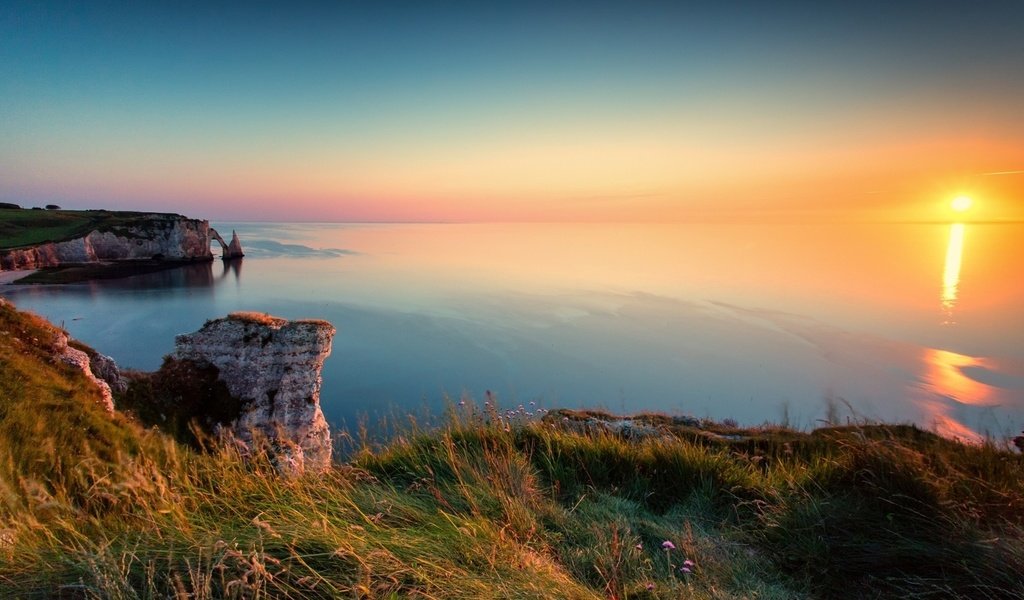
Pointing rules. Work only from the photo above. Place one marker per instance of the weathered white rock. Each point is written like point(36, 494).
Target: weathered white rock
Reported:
point(274, 366)
point(80, 360)
point(170, 237)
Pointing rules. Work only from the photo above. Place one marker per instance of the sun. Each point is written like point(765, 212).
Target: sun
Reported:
point(961, 203)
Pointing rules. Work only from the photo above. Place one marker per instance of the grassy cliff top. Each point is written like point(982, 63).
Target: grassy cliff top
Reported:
point(93, 506)
point(28, 227)
point(260, 318)
point(257, 318)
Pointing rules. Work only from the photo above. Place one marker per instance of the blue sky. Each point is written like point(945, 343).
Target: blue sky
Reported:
point(464, 111)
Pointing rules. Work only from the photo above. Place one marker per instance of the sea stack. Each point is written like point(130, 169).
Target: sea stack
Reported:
point(274, 366)
point(234, 249)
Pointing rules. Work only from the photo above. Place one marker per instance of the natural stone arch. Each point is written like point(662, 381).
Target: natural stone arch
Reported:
point(228, 250)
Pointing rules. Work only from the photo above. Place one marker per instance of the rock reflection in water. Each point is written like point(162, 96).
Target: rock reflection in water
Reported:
point(189, 276)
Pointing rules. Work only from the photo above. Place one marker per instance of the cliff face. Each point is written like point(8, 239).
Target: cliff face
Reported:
point(169, 237)
point(273, 366)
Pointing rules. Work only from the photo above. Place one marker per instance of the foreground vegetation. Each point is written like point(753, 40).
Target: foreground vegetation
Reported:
point(98, 507)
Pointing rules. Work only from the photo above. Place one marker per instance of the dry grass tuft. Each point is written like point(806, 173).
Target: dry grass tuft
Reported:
point(258, 318)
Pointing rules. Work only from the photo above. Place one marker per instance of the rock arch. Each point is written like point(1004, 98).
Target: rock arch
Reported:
point(228, 250)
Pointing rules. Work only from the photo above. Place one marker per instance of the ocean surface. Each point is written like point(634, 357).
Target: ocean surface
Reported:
point(757, 323)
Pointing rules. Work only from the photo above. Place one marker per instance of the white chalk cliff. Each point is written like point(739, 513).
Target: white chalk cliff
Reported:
point(163, 236)
point(273, 365)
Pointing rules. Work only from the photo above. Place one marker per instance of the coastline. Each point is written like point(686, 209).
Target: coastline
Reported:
point(80, 273)
point(12, 277)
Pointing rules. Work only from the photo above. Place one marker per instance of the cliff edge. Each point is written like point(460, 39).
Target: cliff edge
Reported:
point(60, 238)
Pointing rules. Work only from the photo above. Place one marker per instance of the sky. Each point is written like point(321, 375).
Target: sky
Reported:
point(480, 111)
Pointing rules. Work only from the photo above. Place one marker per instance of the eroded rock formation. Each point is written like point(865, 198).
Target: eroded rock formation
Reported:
point(235, 247)
point(229, 250)
point(273, 366)
point(81, 360)
point(160, 236)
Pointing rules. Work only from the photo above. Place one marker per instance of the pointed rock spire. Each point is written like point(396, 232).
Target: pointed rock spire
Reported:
point(234, 249)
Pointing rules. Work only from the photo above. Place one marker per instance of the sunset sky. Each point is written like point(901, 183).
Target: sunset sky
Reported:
point(382, 111)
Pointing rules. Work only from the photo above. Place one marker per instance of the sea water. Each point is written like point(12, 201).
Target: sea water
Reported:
point(796, 323)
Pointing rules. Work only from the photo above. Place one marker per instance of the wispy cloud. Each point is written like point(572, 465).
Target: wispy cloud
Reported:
point(1021, 172)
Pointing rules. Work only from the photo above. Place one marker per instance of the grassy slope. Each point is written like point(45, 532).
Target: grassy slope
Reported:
point(50, 416)
point(24, 227)
point(474, 511)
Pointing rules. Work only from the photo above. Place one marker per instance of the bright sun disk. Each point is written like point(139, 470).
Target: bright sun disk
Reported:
point(961, 203)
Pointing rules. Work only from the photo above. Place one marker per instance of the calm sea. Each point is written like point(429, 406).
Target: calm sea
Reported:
point(797, 323)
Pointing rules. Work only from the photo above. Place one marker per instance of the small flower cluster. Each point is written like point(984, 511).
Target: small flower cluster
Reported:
point(688, 565)
point(687, 568)
point(508, 417)
point(522, 411)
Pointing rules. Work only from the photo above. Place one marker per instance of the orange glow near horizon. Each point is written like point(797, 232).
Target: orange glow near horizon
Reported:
point(688, 172)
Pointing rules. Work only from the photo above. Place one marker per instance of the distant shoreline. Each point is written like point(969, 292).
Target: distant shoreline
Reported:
point(11, 277)
point(79, 273)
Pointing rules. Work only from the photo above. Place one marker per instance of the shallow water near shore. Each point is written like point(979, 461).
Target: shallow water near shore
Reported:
point(797, 323)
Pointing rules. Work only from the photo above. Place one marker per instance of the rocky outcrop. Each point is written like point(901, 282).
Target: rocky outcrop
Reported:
point(81, 360)
point(273, 366)
point(156, 236)
point(231, 249)
point(106, 369)
point(235, 247)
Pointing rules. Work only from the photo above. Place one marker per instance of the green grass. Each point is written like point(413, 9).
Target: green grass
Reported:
point(23, 227)
point(51, 421)
point(100, 507)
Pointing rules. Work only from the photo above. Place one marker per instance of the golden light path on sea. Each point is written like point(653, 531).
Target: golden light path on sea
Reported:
point(951, 271)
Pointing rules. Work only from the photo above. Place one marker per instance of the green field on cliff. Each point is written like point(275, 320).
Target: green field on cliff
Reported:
point(97, 506)
point(27, 227)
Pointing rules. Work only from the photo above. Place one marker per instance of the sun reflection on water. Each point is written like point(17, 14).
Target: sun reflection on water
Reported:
point(951, 273)
point(944, 376)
